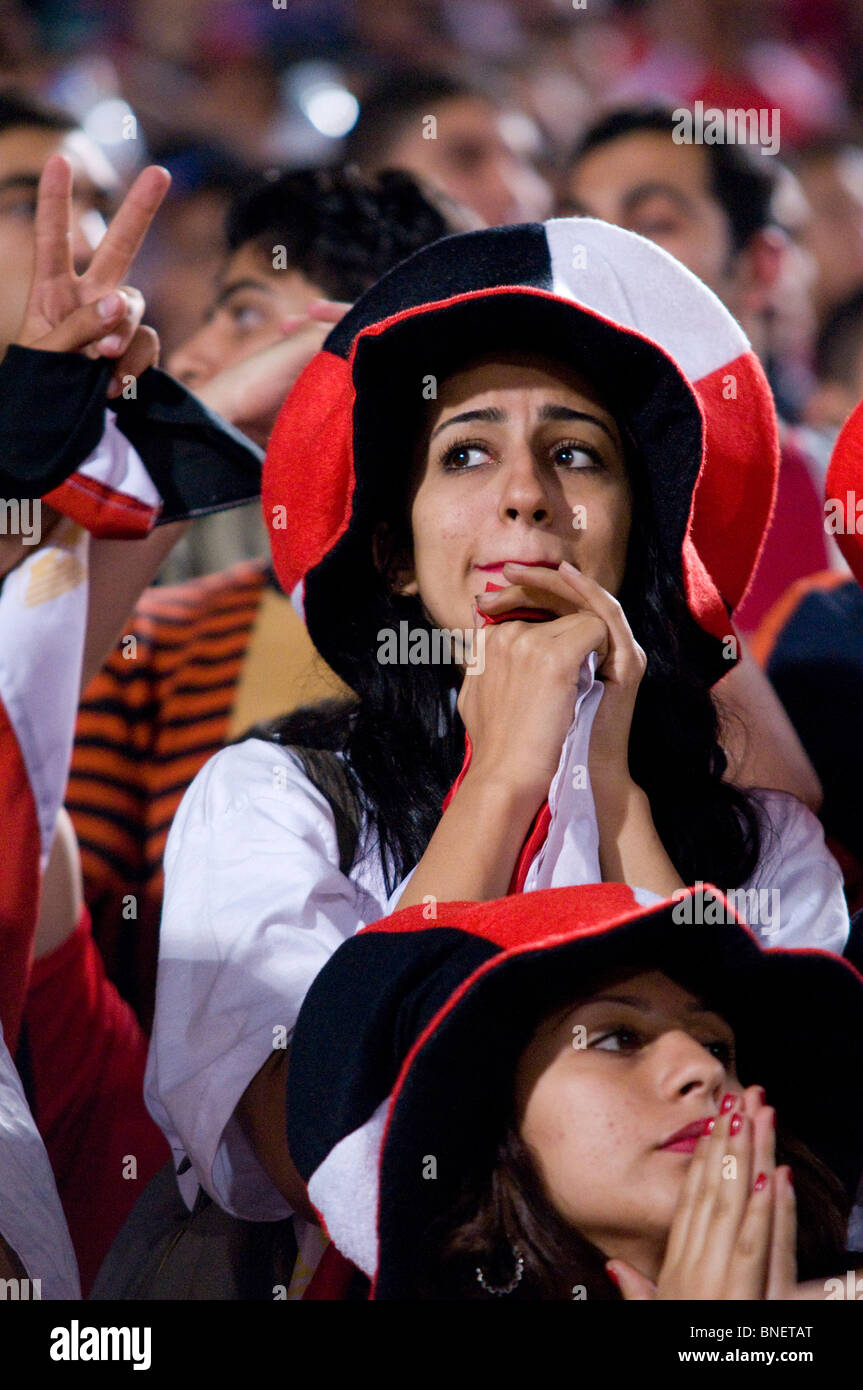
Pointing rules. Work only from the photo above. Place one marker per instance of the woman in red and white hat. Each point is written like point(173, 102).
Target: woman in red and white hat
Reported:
point(566, 396)
point(567, 1095)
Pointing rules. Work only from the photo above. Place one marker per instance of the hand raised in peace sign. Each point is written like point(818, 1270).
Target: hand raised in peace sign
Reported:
point(94, 313)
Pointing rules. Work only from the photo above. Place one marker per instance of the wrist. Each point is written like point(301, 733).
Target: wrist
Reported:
point(504, 790)
point(612, 784)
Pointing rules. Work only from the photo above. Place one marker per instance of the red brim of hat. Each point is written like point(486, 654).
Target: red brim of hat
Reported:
point(843, 503)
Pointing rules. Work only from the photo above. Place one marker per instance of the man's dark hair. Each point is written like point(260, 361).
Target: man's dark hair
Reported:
point(391, 104)
point(340, 229)
point(19, 110)
point(743, 187)
point(839, 342)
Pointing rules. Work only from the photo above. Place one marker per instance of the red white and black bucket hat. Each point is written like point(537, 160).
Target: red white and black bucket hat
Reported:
point(406, 1045)
point(844, 490)
point(675, 367)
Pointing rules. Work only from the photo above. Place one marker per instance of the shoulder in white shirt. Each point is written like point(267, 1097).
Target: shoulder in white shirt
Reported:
point(254, 904)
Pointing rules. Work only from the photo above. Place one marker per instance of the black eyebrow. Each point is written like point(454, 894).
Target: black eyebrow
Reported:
point(644, 191)
point(236, 287)
point(697, 1006)
point(23, 181)
point(489, 413)
point(105, 201)
point(565, 412)
point(494, 416)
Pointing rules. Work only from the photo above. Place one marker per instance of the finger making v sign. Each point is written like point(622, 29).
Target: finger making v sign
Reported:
point(94, 313)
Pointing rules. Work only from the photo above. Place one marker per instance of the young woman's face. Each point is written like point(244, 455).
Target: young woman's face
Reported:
point(520, 460)
point(602, 1090)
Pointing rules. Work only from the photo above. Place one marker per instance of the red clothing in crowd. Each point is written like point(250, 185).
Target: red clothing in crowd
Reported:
point(795, 546)
point(87, 1054)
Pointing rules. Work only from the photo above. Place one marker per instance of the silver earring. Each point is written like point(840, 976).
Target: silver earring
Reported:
point(507, 1288)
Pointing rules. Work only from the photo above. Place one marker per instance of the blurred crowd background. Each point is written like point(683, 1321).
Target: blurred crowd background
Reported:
point(222, 90)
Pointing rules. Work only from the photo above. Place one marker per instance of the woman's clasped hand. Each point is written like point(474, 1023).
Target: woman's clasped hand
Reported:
point(735, 1228)
point(539, 666)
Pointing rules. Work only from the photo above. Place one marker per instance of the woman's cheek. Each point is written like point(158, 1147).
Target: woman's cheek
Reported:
point(446, 583)
point(561, 1127)
point(602, 554)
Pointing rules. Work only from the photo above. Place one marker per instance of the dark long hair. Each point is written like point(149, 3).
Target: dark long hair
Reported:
point(403, 740)
point(505, 1210)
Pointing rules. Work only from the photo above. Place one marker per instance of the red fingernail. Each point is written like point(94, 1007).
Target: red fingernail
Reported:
point(760, 1182)
point(774, 1119)
point(709, 1127)
point(727, 1103)
point(762, 1094)
point(736, 1124)
point(612, 1275)
point(790, 1176)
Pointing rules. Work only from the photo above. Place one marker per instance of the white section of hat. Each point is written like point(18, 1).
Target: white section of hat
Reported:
point(637, 284)
point(344, 1189)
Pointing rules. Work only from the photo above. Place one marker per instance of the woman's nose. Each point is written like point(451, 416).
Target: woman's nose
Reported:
point(524, 491)
point(684, 1064)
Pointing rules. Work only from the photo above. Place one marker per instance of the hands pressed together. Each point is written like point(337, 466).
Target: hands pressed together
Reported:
point(735, 1228)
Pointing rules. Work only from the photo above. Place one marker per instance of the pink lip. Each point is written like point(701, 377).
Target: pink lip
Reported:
point(684, 1140)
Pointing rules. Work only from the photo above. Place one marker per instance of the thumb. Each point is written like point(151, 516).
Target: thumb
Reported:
point(634, 1287)
point(86, 325)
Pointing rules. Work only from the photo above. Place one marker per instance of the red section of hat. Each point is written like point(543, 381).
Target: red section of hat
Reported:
point(307, 508)
point(733, 504)
point(522, 920)
point(844, 485)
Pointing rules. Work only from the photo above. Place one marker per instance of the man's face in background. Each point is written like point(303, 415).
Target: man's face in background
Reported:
point(252, 302)
point(475, 158)
point(834, 234)
point(23, 153)
point(646, 183)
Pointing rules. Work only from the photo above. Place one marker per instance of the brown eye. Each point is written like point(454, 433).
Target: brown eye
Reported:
point(571, 454)
point(461, 456)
